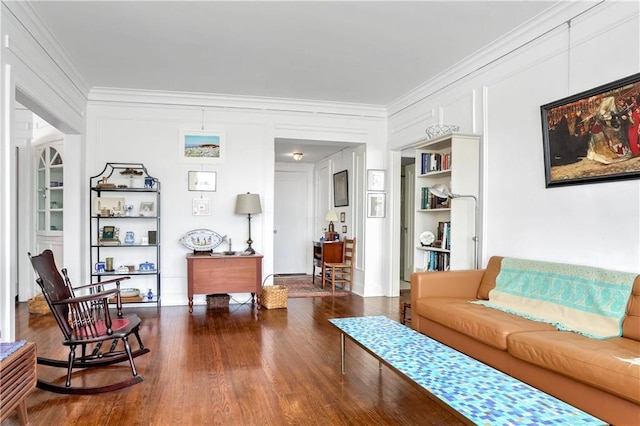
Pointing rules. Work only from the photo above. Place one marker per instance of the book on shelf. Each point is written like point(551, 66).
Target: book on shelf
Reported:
point(434, 162)
point(430, 201)
point(436, 261)
point(444, 235)
point(109, 242)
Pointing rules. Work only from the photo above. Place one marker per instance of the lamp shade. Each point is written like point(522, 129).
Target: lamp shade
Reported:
point(248, 204)
point(331, 216)
point(440, 190)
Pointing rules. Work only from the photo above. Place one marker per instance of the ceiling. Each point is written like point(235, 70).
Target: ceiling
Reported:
point(338, 51)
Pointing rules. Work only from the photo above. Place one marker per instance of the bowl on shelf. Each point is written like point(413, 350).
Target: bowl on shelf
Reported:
point(129, 292)
point(441, 129)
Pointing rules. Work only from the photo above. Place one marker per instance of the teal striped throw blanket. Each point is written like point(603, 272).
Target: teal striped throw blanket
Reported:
point(586, 300)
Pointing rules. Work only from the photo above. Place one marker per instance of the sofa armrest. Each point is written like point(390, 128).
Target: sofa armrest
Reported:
point(463, 284)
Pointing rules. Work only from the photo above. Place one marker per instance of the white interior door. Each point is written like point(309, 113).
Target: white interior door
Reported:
point(291, 219)
point(406, 239)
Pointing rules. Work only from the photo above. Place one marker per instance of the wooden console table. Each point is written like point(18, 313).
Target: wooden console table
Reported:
point(17, 378)
point(211, 274)
point(326, 251)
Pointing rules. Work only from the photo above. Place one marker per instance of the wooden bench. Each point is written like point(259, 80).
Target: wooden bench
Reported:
point(17, 377)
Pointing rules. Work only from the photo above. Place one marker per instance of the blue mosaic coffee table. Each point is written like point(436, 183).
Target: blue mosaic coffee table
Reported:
point(477, 392)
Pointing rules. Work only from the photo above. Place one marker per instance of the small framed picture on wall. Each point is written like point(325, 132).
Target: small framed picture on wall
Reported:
point(201, 207)
point(376, 205)
point(202, 181)
point(375, 180)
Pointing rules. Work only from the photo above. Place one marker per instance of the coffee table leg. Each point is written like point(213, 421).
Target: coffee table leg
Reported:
point(342, 352)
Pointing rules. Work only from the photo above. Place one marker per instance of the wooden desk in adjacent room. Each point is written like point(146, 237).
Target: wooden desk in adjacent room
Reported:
point(326, 251)
point(211, 274)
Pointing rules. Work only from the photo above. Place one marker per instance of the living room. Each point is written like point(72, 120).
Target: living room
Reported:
point(482, 98)
point(496, 93)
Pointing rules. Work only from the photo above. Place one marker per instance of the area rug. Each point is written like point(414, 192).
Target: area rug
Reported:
point(302, 286)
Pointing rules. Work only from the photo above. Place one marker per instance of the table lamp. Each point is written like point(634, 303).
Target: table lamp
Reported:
point(331, 216)
point(248, 204)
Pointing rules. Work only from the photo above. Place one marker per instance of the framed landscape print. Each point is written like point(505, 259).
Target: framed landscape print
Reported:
point(201, 146)
point(593, 136)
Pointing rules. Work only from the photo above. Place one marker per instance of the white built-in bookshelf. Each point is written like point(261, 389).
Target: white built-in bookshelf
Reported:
point(452, 160)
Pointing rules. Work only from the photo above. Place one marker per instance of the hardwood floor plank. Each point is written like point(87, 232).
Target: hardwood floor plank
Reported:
point(238, 366)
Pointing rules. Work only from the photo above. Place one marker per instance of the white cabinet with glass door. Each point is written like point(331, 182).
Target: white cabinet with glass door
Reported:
point(50, 198)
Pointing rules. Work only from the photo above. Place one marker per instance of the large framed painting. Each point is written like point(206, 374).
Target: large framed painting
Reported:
point(593, 136)
point(340, 189)
point(201, 146)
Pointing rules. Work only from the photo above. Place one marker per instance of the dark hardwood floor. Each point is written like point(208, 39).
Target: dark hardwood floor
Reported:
point(237, 366)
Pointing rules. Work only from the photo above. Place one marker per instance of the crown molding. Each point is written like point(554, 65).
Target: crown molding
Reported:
point(99, 95)
point(539, 25)
point(31, 22)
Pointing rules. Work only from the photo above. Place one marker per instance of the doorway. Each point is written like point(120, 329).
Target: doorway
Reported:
point(41, 194)
point(407, 206)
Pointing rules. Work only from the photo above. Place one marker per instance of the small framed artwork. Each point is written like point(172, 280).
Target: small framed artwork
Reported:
point(201, 146)
point(343, 217)
point(108, 232)
point(375, 180)
point(344, 229)
point(108, 206)
point(593, 136)
point(376, 205)
point(202, 181)
point(146, 208)
point(201, 207)
point(340, 189)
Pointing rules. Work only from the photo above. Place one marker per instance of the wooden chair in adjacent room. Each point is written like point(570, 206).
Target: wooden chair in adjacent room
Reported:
point(86, 323)
point(342, 272)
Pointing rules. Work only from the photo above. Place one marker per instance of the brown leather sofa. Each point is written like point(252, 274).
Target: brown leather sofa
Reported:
point(583, 372)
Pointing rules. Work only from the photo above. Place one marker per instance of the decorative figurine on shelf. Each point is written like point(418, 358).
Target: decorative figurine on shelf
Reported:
point(149, 295)
point(129, 238)
point(128, 208)
point(131, 172)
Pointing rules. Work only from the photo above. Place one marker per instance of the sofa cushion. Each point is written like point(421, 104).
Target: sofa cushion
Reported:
point(631, 323)
point(487, 325)
point(491, 273)
point(599, 363)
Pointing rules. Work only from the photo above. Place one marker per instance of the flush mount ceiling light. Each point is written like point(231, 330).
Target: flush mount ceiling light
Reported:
point(297, 156)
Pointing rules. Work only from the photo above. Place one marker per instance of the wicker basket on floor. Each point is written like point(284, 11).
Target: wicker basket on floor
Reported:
point(38, 305)
point(215, 301)
point(274, 296)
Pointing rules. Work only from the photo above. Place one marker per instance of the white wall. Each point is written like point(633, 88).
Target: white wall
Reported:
point(595, 224)
point(146, 131)
point(34, 68)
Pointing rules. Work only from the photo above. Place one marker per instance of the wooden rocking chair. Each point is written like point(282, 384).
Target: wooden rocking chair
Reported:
point(86, 321)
